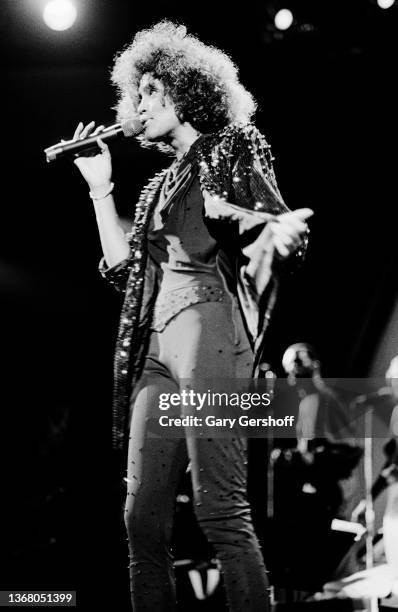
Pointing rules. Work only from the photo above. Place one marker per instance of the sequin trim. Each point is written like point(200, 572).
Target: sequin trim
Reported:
point(171, 304)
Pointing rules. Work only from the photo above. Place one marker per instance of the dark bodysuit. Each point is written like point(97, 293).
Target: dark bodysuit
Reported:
point(197, 333)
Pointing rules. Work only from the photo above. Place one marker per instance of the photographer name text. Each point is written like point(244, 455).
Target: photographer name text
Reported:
point(229, 423)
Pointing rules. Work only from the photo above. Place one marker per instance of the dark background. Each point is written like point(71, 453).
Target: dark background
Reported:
point(327, 104)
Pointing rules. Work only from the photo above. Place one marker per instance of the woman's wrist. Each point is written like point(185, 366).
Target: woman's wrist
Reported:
point(99, 192)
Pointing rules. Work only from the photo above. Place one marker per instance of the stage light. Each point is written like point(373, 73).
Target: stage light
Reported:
point(385, 4)
point(59, 14)
point(283, 19)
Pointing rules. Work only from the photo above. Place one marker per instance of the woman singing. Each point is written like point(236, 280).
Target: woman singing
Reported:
point(200, 272)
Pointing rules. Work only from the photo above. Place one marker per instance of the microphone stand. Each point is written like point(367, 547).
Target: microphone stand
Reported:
point(268, 374)
point(270, 378)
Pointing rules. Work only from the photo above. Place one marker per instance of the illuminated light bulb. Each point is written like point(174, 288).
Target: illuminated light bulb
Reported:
point(283, 19)
point(385, 4)
point(59, 14)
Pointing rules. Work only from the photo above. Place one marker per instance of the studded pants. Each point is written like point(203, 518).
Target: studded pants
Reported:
point(201, 341)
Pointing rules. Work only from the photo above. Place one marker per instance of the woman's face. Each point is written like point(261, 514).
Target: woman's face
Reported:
point(156, 110)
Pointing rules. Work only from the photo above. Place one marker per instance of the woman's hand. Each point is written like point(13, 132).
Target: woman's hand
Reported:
point(96, 169)
point(288, 229)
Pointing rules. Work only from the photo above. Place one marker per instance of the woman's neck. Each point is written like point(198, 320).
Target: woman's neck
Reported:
point(182, 138)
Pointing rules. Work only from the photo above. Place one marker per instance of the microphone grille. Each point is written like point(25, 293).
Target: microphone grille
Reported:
point(132, 127)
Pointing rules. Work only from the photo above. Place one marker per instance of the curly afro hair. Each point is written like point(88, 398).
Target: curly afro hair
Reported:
point(201, 80)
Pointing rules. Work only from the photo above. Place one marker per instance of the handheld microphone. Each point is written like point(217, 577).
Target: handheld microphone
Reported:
point(132, 127)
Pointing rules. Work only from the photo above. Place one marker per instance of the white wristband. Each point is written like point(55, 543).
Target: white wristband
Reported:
point(102, 196)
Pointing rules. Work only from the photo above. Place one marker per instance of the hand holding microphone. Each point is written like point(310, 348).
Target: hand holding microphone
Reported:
point(95, 169)
point(90, 150)
point(92, 157)
point(85, 142)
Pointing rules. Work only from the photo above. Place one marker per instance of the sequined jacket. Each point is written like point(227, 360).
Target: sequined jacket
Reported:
point(240, 196)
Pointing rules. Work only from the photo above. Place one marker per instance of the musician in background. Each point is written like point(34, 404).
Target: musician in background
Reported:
point(312, 475)
point(324, 436)
point(390, 522)
point(381, 580)
point(385, 404)
point(321, 413)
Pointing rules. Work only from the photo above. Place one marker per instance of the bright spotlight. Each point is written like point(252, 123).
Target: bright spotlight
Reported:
point(283, 19)
point(385, 4)
point(59, 14)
